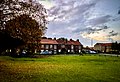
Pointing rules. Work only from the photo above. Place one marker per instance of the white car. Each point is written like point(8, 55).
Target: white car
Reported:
point(46, 52)
point(92, 52)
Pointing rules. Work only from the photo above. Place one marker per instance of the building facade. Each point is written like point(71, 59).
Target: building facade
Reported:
point(48, 45)
point(103, 47)
point(60, 46)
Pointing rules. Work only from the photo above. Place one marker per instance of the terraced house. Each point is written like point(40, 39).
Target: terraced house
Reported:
point(60, 46)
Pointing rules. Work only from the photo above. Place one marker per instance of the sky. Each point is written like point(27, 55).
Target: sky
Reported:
point(90, 21)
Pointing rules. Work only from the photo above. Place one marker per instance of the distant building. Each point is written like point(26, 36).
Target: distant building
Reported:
point(70, 46)
point(48, 44)
point(60, 46)
point(103, 47)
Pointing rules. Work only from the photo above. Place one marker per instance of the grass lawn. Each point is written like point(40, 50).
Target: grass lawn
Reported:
point(60, 68)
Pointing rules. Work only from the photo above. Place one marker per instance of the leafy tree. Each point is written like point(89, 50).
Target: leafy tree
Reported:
point(9, 9)
point(64, 39)
point(119, 48)
point(116, 47)
point(8, 42)
point(23, 19)
point(25, 28)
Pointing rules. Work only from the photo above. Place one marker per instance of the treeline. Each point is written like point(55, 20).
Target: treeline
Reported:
point(115, 48)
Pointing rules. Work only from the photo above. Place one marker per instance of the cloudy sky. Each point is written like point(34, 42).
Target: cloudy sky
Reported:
point(86, 20)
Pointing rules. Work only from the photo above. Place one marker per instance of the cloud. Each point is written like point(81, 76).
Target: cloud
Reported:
point(82, 19)
point(90, 30)
point(71, 16)
point(46, 3)
point(99, 20)
point(112, 33)
point(119, 12)
point(70, 10)
point(100, 34)
point(116, 19)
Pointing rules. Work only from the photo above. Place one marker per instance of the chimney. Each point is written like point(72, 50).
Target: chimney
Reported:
point(78, 40)
point(50, 38)
point(54, 38)
point(71, 40)
point(44, 37)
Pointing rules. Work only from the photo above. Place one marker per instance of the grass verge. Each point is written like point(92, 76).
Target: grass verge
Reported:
point(60, 68)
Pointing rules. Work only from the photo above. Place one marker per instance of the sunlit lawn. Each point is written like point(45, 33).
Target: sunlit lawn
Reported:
point(60, 68)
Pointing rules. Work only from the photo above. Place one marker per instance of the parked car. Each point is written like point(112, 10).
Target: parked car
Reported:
point(23, 53)
point(46, 52)
point(89, 52)
point(92, 52)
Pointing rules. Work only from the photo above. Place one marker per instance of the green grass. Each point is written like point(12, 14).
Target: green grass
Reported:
point(60, 68)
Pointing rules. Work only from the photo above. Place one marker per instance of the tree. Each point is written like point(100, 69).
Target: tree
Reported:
point(8, 42)
point(9, 9)
point(116, 47)
point(23, 19)
point(24, 28)
point(64, 39)
point(119, 48)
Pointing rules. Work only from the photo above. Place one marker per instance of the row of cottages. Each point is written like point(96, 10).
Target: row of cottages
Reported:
point(60, 46)
point(103, 47)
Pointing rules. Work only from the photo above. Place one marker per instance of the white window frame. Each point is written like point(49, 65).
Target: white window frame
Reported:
point(68, 50)
point(51, 46)
point(59, 50)
point(72, 50)
point(46, 46)
point(42, 46)
point(55, 46)
point(72, 47)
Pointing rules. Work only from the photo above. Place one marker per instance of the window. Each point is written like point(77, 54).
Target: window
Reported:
point(63, 46)
point(51, 46)
point(68, 50)
point(55, 52)
point(42, 50)
point(72, 46)
point(55, 46)
point(42, 46)
point(59, 50)
point(72, 50)
point(47, 46)
point(79, 47)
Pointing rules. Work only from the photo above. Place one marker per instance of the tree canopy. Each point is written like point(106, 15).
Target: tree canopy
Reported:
point(23, 19)
point(116, 47)
point(24, 28)
point(13, 42)
point(9, 9)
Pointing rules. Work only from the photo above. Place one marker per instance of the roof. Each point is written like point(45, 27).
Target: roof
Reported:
point(53, 41)
point(48, 41)
point(107, 44)
point(73, 42)
point(104, 44)
point(61, 41)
